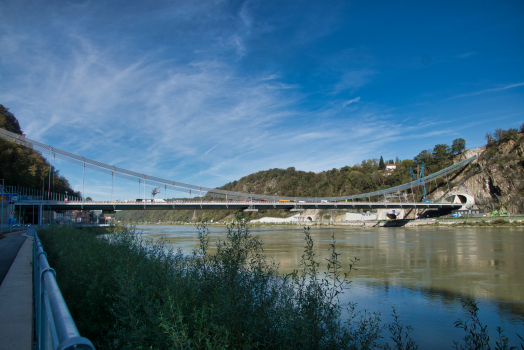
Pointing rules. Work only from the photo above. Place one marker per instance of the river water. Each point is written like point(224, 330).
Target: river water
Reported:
point(423, 272)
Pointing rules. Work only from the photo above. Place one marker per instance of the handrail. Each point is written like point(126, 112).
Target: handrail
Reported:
point(54, 326)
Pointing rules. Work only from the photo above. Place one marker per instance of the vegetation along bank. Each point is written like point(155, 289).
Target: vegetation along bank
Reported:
point(125, 293)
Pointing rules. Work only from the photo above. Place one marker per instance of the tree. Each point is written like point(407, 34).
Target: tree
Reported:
point(441, 152)
point(381, 165)
point(488, 137)
point(423, 157)
point(89, 199)
point(510, 134)
point(498, 134)
point(522, 128)
point(458, 146)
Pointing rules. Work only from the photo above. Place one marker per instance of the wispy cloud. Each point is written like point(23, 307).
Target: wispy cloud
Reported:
point(353, 100)
point(353, 79)
point(485, 91)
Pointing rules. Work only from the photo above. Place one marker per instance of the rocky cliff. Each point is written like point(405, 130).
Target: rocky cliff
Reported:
point(496, 179)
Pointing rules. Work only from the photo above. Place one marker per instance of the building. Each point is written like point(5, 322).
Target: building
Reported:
point(391, 167)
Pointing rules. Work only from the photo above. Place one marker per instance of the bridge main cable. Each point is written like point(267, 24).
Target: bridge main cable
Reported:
point(183, 187)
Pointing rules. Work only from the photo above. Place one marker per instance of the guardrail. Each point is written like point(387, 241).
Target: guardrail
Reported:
point(54, 327)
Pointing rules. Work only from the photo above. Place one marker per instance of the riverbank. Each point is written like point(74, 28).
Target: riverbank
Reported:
point(492, 221)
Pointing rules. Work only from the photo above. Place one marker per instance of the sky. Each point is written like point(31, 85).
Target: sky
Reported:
point(205, 92)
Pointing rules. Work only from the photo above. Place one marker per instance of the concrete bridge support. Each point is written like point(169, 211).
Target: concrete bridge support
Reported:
point(467, 200)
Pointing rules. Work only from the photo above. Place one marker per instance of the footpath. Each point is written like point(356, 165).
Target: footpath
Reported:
point(16, 291)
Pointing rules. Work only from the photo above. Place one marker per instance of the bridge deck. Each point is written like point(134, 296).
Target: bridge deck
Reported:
point(56, 205)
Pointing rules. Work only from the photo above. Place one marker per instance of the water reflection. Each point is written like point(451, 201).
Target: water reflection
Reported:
point(422, 271)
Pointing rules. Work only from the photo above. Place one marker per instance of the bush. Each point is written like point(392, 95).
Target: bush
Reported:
point(125, 293)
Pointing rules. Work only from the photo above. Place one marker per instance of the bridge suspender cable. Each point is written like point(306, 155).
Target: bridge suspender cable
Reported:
point(183, 187)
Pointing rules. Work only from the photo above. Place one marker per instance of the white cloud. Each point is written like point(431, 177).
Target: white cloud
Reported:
point(501, 88)
point(353, 100)
point(354, 79)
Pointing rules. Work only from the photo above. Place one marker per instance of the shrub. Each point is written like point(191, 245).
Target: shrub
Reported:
point(125, 293)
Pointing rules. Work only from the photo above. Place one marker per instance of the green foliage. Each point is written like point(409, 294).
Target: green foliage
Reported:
point(458, 146)
point(381, 165)
point(476, 334)
point(441, 152)
point(424, 157)
point(400, 334)
point(501, 135)
point(8, 121)
point(489, 138)
point(125, 293)
point(22, 166)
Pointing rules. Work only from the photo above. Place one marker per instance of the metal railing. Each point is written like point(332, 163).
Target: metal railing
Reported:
point(54, 327)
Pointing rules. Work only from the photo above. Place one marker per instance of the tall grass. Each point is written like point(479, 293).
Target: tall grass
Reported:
point(126, 293)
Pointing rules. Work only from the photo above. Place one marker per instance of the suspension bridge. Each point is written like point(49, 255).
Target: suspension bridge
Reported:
point(217, 198)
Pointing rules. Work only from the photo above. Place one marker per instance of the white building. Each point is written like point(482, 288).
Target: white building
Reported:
point(391, 167)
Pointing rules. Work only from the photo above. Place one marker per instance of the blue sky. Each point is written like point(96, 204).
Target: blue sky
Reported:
point(205, 92)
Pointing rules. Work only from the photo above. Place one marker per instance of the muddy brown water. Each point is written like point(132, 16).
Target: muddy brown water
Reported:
point(423, 272)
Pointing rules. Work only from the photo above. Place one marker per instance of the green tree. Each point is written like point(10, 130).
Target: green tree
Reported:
point(510, 134)
point(441, 152)
point(381, 165)
point(23, 166)
point(458, 146)
point(498, 135)
point(8, 121)
point(489, 138)
point(423, 157)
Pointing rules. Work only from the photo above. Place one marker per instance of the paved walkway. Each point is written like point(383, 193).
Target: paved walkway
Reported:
point(9, 246)
point(16, 292)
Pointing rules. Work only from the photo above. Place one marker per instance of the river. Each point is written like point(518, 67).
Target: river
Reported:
point(422, 271)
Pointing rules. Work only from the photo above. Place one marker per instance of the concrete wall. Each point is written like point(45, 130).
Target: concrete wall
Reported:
point(360, 216)
point(391, 214)
point(269, 220)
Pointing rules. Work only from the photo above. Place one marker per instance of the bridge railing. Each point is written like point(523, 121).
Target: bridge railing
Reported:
point(54, 327)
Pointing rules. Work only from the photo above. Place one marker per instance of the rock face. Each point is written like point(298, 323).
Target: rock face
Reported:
point(496, 179)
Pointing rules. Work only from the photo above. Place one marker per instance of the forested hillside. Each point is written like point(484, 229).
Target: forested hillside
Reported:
point(370, 175)
point(22, 166)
